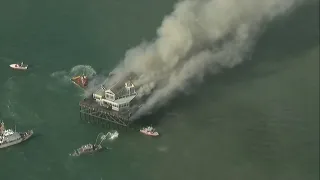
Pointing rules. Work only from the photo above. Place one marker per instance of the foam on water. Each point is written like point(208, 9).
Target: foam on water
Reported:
point(9, 99)
point(75, 71)
point(10, 106)
point(113, 135)
point(82, 69)
point(63, 77)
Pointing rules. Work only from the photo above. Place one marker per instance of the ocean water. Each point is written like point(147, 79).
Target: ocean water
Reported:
point(259, 120)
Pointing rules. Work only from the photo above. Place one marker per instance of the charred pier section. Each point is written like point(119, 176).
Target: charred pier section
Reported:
point(93, 112)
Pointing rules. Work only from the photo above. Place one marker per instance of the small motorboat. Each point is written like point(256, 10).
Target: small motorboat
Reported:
point(20, 66)
point(81, 81)
point(149, 131)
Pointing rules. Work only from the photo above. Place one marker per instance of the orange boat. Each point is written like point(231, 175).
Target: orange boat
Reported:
point(81, 81)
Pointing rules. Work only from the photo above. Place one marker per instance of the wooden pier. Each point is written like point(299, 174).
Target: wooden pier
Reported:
point(93, 112)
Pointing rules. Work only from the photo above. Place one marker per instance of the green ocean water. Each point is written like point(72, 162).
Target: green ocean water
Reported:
point(258, 121)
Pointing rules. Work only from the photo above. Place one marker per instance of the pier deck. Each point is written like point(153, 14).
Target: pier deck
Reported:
point(92, 111)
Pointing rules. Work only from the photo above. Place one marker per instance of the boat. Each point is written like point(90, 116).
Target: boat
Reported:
point(149, 131)
point(8, 137)
point(81, 81)
point(90, 148)
point(20, 66)
point(86, 149)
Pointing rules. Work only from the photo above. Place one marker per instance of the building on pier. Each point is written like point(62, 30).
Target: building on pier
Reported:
point(113, 105)
point(118, 97)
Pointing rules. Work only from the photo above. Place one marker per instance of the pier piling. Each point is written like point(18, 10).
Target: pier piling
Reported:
point(92, 112)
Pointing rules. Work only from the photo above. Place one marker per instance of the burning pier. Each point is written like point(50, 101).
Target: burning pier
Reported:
point(112, 106)
point(92, 112)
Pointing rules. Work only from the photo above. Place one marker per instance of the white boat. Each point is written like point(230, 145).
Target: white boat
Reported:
point(20, 66)
point(149, 131)
point(8, 137)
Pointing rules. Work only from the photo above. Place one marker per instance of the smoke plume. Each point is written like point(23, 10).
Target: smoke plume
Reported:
point(198, 37)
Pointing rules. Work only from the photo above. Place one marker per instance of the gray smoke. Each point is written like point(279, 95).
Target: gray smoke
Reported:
point(198, 37)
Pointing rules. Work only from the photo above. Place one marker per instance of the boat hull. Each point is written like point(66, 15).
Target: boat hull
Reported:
point(77, 81)
point(23, 138)
point(77, 153)
point(18, 67)
point(149, 133)
point(10, 143)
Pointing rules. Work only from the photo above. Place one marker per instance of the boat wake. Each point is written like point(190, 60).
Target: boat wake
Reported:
point(7, 60)
point(97, 146)
point(82, 69)
point(10, 109)
point(112, 135)
point(75, 71)
point(9, 99)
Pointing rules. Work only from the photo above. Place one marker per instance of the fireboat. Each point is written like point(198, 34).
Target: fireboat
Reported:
point(81, 81)
point(90, 148)
point(8, 137)
point(86, 149)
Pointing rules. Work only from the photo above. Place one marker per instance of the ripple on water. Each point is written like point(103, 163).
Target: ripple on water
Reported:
point(163, 149)
point(63, 77)
point(11, 105)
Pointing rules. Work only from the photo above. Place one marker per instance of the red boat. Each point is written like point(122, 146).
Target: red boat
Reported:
point(81, 81)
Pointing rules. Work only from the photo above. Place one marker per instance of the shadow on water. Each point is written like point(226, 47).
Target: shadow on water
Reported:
point(150, 119)
point(283, 39)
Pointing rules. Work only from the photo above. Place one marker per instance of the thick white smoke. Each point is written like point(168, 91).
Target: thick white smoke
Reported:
point(198, 37)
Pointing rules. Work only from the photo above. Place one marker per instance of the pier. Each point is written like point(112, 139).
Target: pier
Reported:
point(113, 105)
point(91, 111)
